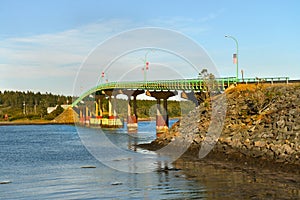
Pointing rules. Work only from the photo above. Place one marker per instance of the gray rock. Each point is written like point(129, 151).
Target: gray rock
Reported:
point(280, 123)
point(116, 183)
point(259, 143)
point(5, 182)
point(296, 127)
point(88, 166)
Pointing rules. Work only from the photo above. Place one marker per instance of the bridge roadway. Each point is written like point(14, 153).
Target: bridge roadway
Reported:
point(160, 90)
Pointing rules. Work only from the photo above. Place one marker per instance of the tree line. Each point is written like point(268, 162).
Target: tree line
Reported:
point(146, 108)
point(15, 105)
point(29, 105)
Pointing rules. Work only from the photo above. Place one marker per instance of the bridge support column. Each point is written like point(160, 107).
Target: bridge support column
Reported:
point(165, 113)
point(97, 121)
point(113, 120)
point(132, 118)
point(109, 107)
point(112, 104)
point(115, 107)
point(96, 108)
point(162, 117)
point(87, 116)
point(135, 107)
point(81, 117)
point(162, 125)
point(99, 106)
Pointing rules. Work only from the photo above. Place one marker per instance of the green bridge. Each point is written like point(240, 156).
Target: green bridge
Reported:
point(160, 90)
point(180, 84)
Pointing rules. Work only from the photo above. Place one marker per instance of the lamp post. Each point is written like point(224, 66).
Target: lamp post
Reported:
point(24, 108)
point(237, 56)
point(146, 64)
point(102, 77)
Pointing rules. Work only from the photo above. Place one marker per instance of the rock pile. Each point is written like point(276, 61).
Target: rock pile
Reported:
point(262, 121)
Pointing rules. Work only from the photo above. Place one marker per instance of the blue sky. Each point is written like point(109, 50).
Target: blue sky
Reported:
point(43, 43)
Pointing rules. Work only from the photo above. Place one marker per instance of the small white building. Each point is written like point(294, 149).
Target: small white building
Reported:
point(51, 109)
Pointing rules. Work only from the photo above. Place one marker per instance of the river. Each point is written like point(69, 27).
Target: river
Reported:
point(50, 162)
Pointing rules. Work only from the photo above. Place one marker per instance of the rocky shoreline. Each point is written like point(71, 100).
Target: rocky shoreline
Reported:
point(261, 128)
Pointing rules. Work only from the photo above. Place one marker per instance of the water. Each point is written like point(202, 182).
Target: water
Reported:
point(45, 162)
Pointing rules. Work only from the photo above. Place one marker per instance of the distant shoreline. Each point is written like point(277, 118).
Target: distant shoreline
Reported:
point(18, 123)
point(45, 122)
point(153, 119)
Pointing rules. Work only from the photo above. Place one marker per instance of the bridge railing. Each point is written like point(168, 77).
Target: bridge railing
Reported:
point(268, 79)
point(178, 84)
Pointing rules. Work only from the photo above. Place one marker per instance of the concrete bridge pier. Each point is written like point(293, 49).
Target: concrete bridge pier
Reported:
point(113, 121)
point(132, 118)
point(162, 117)
point(114, 106)
point(87, 116)
point(112, 114)
point(97, 120)
point(99, 105)
point(81, 118)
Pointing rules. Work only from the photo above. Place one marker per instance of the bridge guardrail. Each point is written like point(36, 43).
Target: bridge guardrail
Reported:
point(265, 79)
point(177, 84)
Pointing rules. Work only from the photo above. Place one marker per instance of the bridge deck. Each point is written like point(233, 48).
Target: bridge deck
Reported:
point(179, 84)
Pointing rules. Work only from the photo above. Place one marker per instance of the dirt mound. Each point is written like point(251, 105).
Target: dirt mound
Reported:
point(69, 116)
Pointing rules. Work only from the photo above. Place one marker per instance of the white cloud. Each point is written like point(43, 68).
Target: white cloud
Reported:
point(59, 55)
point(56, 55)
point(187, 25)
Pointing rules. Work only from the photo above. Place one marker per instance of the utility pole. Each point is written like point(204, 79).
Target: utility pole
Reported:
point(146, 64)
point(24, 108)
point(35, 107)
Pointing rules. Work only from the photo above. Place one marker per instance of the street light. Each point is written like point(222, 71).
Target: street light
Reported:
point(24, 107)
point(102, 77)
point(237, 56)
point(146, 64)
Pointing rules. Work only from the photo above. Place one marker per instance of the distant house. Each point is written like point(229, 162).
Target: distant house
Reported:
point(51, 109)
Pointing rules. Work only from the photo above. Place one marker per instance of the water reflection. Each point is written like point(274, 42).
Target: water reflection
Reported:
point(132, 142)
point(222, 182)
point(44, 162)
point(215, 181)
